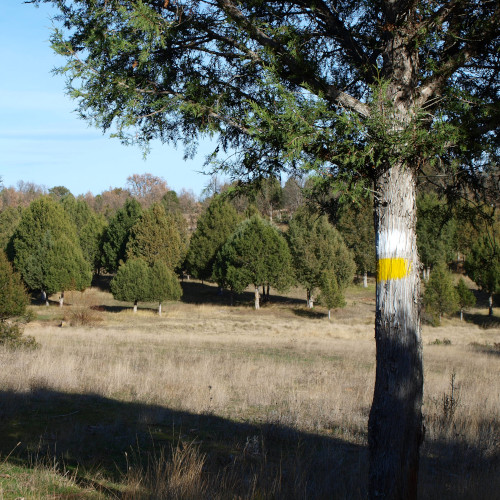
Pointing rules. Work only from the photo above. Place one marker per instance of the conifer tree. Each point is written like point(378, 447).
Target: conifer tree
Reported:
point(164, 284)
point(440, 295)
point(331, 293)
point(116, 235)
point(154, 236)
point(132, 282)
point(465, 297)
point(255, 254)
point(13, 298)
point(355, 224)
point(214, 227)
point(13, 302)
point(45, 250)
point(89, 227)
point(483, 266)
point(317, 247)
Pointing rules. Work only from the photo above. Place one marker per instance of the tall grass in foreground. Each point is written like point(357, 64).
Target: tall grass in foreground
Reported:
point(277, 402)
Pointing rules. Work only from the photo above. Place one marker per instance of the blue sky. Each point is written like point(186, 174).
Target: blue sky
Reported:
point(41, 138)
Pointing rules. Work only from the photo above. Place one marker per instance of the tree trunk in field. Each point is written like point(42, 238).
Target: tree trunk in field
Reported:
point(61, 299)
point(365, 280)
point(159, 308)
point(329, 316)
point(135, 306)
point(395, 428)
point(257, 304)
point(310, 299)
point(490, 305)
point(461, 314)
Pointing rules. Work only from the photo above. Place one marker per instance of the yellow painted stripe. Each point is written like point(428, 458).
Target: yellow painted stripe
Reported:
point(392, 269)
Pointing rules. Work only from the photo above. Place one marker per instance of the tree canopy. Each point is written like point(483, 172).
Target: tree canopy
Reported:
point(116, 235)
point(256, 253)
point(45, 249)
point(317, 247)
point(483, 265)
point(13, 297)
point(154, 236)
point(214, 227)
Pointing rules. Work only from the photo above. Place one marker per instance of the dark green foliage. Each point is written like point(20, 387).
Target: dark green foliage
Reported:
point(317, 247)
point(436, 230)
point(483, 265)
point(45, 249)
point(256, 253)
point(59, 192)
point(440, 296)
point(465, 296)
point(116, 235)
point(89, 226)
point(331, 294)
point(13, 302)
point(132, 282)
point(214, 227)
point(154, 236)
point(355, 224)
point(9, 219)
point(163, 283)
point(13, 298)
point(135, 282)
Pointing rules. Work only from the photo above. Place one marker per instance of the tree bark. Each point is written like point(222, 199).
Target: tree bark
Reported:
point(365, 280)
point(395, 428)
point(257, 305)
point(135, 306)
point(61, 299)
point(490, 305)
point(159, 308)
point(310, 300)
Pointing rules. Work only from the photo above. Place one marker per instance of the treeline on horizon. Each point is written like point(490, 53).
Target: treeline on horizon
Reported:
point(264, 233)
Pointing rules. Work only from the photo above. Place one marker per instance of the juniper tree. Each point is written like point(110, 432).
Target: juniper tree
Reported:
point(317, 247)
point(90, 228)
point(255, 254)
point(213, 228)
point(465, 297)
point(440, 295)
point(154, 236)
point(163, 284)
point(483, 266)
point(132, 282)
point(371, 94)
point(331, 294)
point(13, 302)
point(117, 234)
point(45, 250)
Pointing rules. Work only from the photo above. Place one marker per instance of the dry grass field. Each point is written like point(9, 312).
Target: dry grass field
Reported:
point(213, 401)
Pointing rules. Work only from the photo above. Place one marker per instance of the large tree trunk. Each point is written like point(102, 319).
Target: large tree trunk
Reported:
point(159, 308)
point(490, 305)
point(257, 304)
point(365, 280)
point(395, 429)
point(135, 306)
point(61, 299)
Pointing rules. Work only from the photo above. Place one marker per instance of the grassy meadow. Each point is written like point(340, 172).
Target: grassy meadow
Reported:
point(213, 401)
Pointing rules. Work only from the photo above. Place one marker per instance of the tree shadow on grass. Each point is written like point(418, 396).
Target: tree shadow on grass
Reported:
point(309, 313)
point(482, 320)
point(100, 439)
point(195, 292)
point(89, 433)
